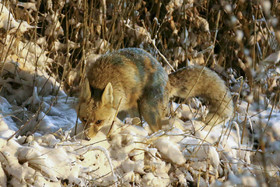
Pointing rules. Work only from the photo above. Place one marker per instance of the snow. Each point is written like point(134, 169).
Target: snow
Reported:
point(170, 150)
point(7, 21)
point(52, 155)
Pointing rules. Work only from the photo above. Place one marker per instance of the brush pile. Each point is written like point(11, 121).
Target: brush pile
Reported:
point(46, 47)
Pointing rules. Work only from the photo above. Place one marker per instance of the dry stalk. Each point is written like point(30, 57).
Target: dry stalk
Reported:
point(117, 111)
point(105, 152)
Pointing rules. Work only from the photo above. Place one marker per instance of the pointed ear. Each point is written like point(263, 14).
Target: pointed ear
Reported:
point(85, 92)
point(107, 96)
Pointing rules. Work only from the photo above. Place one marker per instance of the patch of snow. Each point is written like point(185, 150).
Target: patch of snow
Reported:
point(170, 150)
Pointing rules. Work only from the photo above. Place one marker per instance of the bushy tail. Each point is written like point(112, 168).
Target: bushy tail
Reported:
point(200, 81)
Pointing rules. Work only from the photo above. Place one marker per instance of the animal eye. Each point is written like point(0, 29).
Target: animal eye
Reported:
point(84, 120)
point(98, 122)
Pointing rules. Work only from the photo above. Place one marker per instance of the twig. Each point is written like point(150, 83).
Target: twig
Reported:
point(154, 45)
point(106, 153)
point(26, 123)
point(117, 111)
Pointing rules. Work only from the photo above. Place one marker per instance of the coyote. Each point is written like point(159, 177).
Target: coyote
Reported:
point(133, 82)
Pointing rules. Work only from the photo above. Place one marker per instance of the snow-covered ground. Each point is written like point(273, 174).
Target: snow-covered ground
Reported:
point(41, 146)
point(41, 151)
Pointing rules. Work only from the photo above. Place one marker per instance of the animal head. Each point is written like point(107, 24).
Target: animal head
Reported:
point(95, 110)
